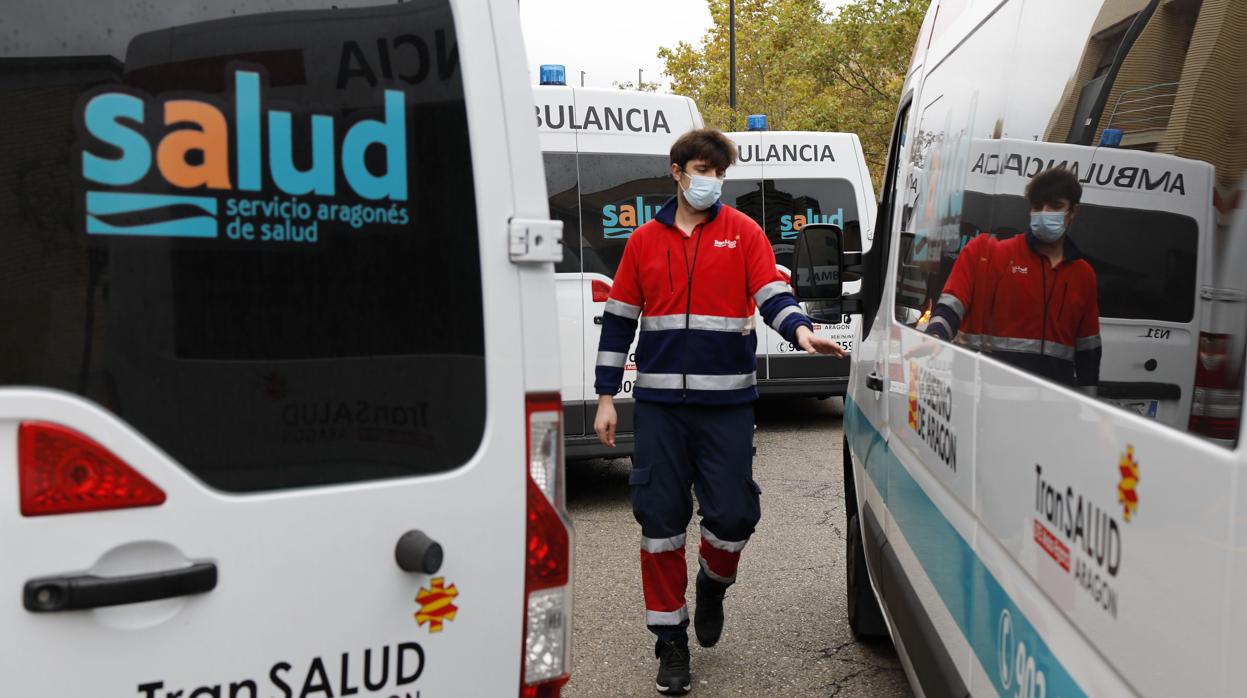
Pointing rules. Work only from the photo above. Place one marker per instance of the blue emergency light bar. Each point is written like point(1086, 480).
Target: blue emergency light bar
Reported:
point(1111, 138)
point(553, 74)
point(755, 122)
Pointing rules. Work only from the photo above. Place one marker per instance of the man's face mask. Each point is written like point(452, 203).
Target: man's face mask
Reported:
point(1048, 226)
point(702, 191)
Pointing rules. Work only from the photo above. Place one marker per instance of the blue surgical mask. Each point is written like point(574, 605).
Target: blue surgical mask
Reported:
point(1048, 226)
point(702, 191)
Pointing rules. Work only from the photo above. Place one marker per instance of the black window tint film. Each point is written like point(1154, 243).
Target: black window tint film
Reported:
point(745, 195)
point(234, 234)
point(564, 205)
point(1145, 261)
point(791, 204)
point(618, 193)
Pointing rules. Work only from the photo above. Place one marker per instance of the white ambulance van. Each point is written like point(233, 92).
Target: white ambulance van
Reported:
point(785, 180)
point(608, 170)
point(279, 384)
point(1014, 536)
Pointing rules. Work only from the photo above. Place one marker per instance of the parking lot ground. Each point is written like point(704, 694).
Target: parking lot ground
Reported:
point(786, 631)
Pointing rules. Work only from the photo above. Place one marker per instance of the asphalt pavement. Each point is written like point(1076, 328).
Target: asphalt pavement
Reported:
point(786, 632)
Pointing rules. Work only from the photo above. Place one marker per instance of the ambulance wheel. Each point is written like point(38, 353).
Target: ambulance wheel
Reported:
point(865, 618)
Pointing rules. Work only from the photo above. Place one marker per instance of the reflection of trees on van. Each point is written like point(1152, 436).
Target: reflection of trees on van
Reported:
point(618, 193)
point(782, 207)
point(565, 206)
point(49, 276)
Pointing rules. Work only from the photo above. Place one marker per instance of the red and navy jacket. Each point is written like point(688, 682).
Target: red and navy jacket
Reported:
point(694, 298)
point(1006, 298)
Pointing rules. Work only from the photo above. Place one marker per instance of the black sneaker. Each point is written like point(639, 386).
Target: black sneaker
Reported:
point(708, 617)
point(674, 678)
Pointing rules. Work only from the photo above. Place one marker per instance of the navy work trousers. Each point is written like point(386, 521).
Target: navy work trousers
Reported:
point(709, 450)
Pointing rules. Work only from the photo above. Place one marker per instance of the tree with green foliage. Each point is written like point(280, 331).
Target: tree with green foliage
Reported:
point(805, 68)
point(646, 86)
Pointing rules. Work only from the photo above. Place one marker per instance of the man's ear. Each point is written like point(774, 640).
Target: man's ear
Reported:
point(675, 172)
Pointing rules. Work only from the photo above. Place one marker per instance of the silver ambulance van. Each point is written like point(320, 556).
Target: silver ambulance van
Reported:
point(1014, 536)
point(279, 379)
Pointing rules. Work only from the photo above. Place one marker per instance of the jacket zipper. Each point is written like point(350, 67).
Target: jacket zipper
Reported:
point(1064, 296)
point(670, 283)
point(688, 305)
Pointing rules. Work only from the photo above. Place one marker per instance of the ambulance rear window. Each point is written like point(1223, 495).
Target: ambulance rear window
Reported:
point(618, 193)
point(251, 235)
point(782, 207)
point(1145, 261)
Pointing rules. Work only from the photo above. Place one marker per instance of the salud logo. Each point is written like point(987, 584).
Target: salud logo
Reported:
point(790, 226)
point(621, 219)
point(174, 166)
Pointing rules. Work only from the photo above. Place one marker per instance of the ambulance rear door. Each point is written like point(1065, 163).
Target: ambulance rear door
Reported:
point(236, 456)
point(554, 106)
point(743, 191)
point(812, 177)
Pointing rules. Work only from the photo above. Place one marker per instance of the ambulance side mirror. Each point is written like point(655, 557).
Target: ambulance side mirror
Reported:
point(820, 269)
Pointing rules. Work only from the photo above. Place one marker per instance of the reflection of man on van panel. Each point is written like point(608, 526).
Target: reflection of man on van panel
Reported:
point(692, 278)
point(1029, 300)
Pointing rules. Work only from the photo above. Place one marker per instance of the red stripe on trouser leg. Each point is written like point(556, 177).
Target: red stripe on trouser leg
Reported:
point(720, 563)
point(664, 577)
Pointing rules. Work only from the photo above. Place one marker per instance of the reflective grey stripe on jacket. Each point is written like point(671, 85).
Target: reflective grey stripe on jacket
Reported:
point(714, 323)
point(771, 290)
point(624, 310)
point(778, 320)
point(614, 359)
point(951, 301)
point(676, 381)
point(1088, 343)
point(986, 342)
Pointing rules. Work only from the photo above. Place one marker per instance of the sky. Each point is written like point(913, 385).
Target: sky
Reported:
point(611, 39)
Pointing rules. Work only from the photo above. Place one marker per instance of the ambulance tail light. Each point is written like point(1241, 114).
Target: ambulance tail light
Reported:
point(601, 291)
point(60, 471)
point(1216, 403)
point(546, 662)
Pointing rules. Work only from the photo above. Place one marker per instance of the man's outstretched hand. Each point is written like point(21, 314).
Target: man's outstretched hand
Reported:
point(813, 344)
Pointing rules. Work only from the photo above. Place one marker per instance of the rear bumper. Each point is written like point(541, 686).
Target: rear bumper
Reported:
point(803, 376)
point(804, 387)
point(581, 447)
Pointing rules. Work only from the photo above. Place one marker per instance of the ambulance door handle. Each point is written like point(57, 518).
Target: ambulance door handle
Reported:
point(416, 552)
point(874, 382)
point(66, 593)
point(597, 319)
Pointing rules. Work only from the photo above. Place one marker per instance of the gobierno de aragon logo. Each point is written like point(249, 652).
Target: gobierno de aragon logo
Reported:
point(198, 166)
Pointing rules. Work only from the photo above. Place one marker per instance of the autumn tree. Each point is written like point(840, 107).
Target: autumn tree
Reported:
point(805, 68)
point(646, 86)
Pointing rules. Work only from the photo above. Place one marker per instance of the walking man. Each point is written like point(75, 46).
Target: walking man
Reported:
point(692, 278)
